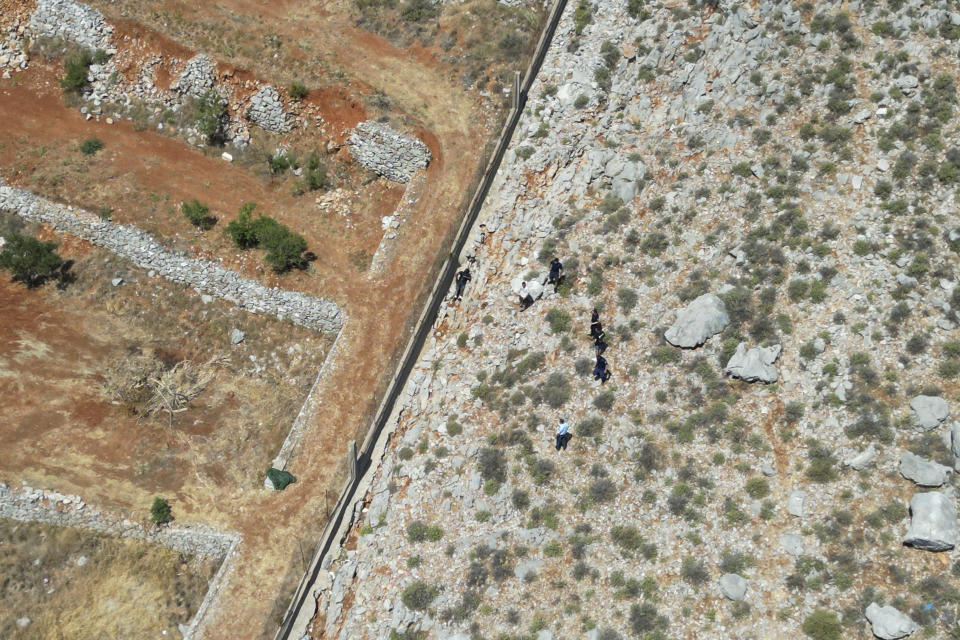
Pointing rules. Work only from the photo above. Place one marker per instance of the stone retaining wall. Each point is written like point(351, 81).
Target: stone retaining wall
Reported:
point(203, 275)
point(51, 507)
point(71, 20)
point(386, 152)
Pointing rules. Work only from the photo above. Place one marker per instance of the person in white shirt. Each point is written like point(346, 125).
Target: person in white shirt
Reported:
point(563, 435)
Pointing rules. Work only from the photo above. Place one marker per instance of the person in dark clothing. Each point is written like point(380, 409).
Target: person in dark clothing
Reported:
point(599, 344)
point(595, 316)
point(600, 370)
point(556, 272)
point(525, 298)
point(463, 277)
point(596, 329)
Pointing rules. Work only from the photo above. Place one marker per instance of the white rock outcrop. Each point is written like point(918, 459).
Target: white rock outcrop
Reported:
point(704, 317)
point(755, 365)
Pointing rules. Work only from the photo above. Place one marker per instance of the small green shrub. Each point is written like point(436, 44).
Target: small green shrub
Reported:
point(198, 214)
point(298, 90)
point(560, 321)
point(758, 487)
point(823, 625)
point(91, 146)
point(418, 595)
point(75, 72)
point(160, 511)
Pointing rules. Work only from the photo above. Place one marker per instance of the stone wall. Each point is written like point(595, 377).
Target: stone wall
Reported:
point(51, 507)
point(384, 151)
point(146, 252)
point(266, 110)
point(72, 21)
point(198, 77)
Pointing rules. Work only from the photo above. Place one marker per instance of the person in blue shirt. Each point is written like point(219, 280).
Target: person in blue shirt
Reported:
point(563, 435)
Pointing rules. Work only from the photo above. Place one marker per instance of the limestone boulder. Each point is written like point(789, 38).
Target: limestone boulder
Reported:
point(933, 522)
point(889, 623)
point(704, 317)
point(925, 473)
point(755, 365)
point(733, 586)
point(929, 412)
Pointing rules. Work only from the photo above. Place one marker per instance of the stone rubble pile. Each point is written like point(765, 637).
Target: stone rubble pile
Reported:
point(205, 276)
point(73, 21)
point(266, 110)
point(386, 152)
point(198, 76)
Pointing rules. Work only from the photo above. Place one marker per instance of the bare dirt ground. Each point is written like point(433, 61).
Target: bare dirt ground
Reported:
point(142, 175)
point(74, 584)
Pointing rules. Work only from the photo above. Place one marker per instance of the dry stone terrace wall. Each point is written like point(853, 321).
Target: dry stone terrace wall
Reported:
point(669, 129)
point(386, 152)
point(51, 507)
point(73, 21)
point(203, 275)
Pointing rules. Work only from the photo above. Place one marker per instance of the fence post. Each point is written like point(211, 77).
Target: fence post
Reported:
point(352, 459)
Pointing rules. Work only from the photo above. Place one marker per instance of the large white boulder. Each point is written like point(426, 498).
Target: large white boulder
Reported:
point(929, 412)
point(933, 522)
point(924, 472)
point(755, 365)
point(695, 323)
point(889, 623)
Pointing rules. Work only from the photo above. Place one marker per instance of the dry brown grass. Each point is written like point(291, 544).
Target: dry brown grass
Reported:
point(43, 581)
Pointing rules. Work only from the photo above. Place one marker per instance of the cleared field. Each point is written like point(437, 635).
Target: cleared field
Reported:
point(80, 360)
point(65, 583)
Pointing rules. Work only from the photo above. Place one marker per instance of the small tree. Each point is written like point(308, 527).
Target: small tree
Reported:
point(286, 252)
point(198, 214)
point(241, 230)
point(31, 261)
point(75, 72)
point(418, 595)
point(211, 114)
point(160, 512)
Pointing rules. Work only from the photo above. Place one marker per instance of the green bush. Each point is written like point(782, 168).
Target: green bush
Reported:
point(31, 261)
point(75, 72)
point(316, 178)
point(211, 114)
point(419, 10)
point(823, 625)
point(160, 512)
point(417, 531)
point(626, 299)
point(91, 146)
point(198, 214)
point(758, 487)
point(582, 16)
point(492, 464)
point(418, 595)
point(298, 90)
point(556, 390)
point(285, 249)
point(560, 321)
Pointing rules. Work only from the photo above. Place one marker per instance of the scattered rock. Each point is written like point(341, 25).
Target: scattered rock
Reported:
point(237, 336)
point(733, 586)
point(933, 522)
point(198, 77)
point(925, 473)
point(755, 365)
point(929, 412)
point(792, 543)
point(889, 623)
point(704, 317)
point(862, 460)
point(24, 622)
point(117, 282)
point(73, 21)
point(795, 503)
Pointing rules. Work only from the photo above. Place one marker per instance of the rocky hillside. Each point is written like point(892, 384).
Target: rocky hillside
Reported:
point(760, 200)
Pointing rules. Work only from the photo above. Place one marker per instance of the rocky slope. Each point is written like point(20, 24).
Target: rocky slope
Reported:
point(800, 163)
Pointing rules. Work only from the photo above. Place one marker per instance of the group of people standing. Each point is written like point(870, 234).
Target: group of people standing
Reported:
point(600, 371)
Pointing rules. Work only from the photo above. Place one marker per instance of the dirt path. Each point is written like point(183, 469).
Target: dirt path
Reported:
point(380, 309)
